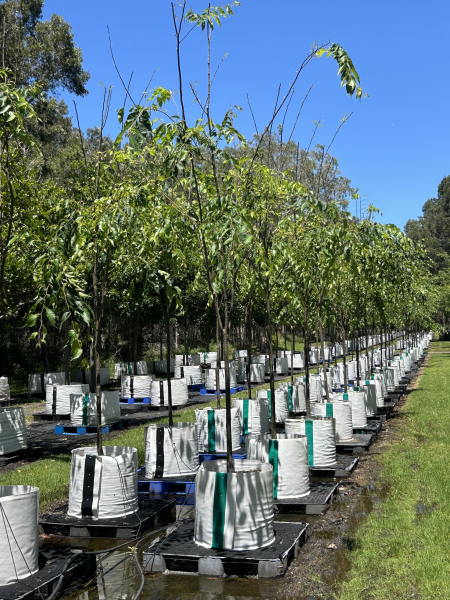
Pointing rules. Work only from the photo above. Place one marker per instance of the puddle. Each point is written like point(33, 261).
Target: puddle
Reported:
point(369, 495)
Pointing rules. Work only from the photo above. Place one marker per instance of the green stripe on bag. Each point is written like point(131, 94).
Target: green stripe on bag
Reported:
point(269, 398)
point(345, 397)
point(273, 460)
point(220, 502)
point(85, 409)
point(211, 432)
point(329, 410)
point(129, 368)
point(245, 417)
point(290, 397)
point(309, 429)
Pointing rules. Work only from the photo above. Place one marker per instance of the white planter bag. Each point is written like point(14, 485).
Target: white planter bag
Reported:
point(136, 386)
point(212, 432)
point(288, 455)
point(342, 414)
point(171, 451)
point(257, 373)
point(83, 409)
point(127, 368)
point(82, 376)
point(206, 358)
point(395, 371)
point(281, 404)
point(234, 511)
point(321, 439)
point(159, 367)
point(4, 389)
point(281, 366)
point(19, 532)
point(103, 487)
point(37, 383)
point(358, 402)
point(370, 398)
point(241, 370)
point(388, 375)
point(376, 381)
point(315, 388)
point(239, 353)
point(253, 415)
point(57, 397)
point(160, 392)
point(296, 395)
point(210, 380)
point(193, 360)
point(13, 430)
point(191, 375)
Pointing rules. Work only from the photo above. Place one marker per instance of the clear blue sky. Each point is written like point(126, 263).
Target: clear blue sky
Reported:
point(395, 147)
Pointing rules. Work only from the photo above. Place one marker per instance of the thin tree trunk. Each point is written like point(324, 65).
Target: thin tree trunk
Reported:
point(67, 355)
point(136, 338)
point(218, 363)
point(322, 347)
point(248, 328)
point(166, 313)
point(273, 428)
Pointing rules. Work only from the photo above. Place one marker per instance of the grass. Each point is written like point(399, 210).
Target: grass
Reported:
point(403, 551)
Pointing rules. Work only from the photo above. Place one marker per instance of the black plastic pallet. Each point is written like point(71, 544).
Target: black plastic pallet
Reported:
point(151, 512)
point(6, 459)
point(50, 417)
point(344, 466)
point(320, 497)
point(372, 427)
point(387, 409)
point(42, 583)
point(178, 552)
point(359, 445)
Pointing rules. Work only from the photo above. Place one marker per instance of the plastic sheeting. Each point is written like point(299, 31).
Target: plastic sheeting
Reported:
point(281, 404)
point(342, 414)
point(288, 455)
point(19, 532)
point(210, 379)
point(321, 439)
point(234, 511)
point(83, 409)
point(212, 432)
point(104, 487)
point(178, 388)
point(57, 397)
point(127, 368)
point(171, 451)
point(37, 383)
point(13, 430)
point(4, 389)
point(136, 386)
point(82, 376)
point(192, 375)
point(253, 414)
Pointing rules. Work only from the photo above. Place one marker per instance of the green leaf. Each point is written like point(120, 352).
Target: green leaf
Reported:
point(50, 315)
point(31, 320)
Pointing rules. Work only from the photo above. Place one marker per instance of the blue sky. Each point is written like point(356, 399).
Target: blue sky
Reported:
point(395, 146)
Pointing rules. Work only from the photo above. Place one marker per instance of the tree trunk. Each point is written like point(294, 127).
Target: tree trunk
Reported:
point(248, 330)
point(166, 313)
point(344, 357)
point(136, 338)
point(292, 355)
point(218, 363)
point(273, 428)
point(67, 355)
point(306, 349)
point(322, 347)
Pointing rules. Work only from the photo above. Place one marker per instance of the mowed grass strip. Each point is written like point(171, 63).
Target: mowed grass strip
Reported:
point(403, 549)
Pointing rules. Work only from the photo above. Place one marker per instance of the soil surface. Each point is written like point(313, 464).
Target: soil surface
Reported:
point(323, 561)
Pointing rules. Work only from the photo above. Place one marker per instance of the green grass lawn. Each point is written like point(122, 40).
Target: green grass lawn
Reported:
point(403, 549)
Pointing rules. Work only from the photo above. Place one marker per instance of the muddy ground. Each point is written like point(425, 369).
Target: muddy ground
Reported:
point(323, 561)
